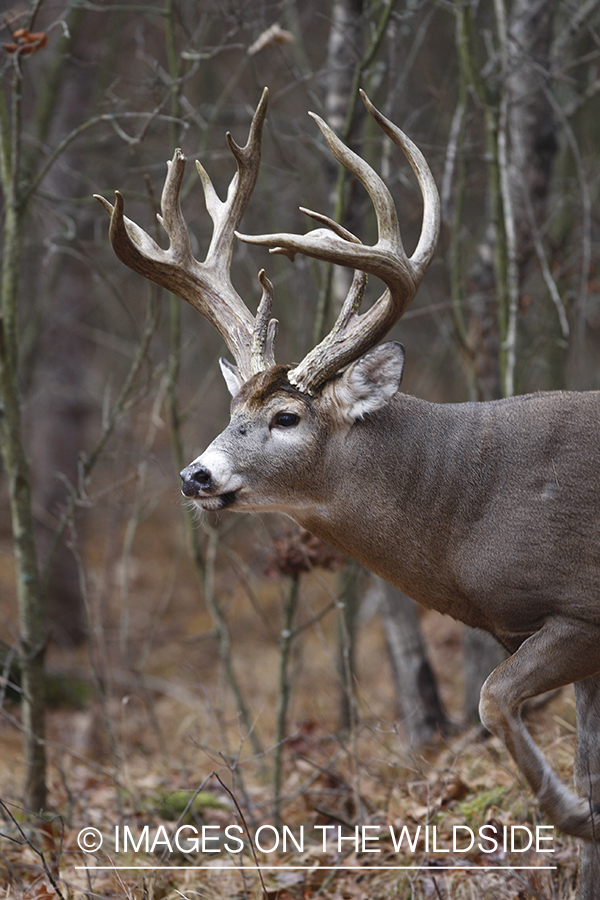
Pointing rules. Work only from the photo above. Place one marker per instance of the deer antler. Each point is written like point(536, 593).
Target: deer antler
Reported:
point(206, 286)
point(353, 334)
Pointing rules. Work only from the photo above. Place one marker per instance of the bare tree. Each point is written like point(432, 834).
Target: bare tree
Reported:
point(32, 618)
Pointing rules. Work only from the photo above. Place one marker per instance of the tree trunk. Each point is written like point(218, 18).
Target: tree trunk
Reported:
point(57, 405)
point(32, 621)
point(423, 714)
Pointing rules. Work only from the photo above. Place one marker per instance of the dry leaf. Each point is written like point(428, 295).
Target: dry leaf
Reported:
point(273, 35)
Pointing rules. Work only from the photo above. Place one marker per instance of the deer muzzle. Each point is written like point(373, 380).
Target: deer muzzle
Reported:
point(195, 480)
point(210, 481)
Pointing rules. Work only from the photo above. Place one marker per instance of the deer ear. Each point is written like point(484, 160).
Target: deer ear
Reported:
point(231, 375)
point(368, 384)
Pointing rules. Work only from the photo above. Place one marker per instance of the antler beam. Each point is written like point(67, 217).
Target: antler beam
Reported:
point(206, 285)
point(353, 334)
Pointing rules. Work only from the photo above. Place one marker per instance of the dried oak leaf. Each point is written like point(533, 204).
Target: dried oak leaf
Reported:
point(302, 552)
point(27, 42)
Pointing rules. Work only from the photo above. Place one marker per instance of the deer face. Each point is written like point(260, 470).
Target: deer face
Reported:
point(283, 450)
point(270, 445)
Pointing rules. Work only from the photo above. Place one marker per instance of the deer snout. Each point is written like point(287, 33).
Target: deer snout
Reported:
point(210, 480)
point(195, 479)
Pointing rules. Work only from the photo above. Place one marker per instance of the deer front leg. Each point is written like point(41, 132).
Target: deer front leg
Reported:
point(587, 779)
point(562, 652)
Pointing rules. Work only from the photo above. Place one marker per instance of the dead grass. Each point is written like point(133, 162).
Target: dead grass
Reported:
point(168, 724)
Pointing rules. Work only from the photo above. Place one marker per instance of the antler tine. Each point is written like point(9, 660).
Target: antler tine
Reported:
point(354, 334)
point(265, 331)
point(205, 285)
point(227, 215)
point(430, 228)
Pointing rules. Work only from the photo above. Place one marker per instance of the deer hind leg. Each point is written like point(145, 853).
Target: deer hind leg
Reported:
point(587, 779)
point(563, 651)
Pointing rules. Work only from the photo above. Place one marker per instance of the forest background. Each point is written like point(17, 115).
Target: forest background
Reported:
point(160, 669)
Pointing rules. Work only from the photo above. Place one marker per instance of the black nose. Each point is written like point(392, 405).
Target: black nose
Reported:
point(195, 480)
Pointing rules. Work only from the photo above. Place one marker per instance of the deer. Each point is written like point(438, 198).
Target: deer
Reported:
point(486, 511)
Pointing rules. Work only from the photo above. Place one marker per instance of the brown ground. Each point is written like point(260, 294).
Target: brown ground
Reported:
point(164, 719)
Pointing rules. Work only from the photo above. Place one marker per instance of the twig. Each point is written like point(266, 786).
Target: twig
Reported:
point(586, 225)
point(222, 630)
point(37, 850)
point(88, 461)
point(112, 119)
point(512, 277)
point(100, 681)
point(244, 823)
point(285, 643)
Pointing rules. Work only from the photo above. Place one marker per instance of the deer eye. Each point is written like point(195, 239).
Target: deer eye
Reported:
point(285, 420)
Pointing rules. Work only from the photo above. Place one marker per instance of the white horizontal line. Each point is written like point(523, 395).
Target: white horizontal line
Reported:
point(314, 868)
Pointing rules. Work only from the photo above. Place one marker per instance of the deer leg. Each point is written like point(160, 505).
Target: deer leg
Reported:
point(587, 779)
point(561, 652)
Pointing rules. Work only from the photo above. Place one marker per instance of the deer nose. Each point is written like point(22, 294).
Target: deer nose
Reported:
point(195, 479)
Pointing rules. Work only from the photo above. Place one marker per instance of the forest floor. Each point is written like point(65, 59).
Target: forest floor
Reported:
point(154, 771)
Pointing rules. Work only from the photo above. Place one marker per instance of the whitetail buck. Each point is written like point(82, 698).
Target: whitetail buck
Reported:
point(489, 512)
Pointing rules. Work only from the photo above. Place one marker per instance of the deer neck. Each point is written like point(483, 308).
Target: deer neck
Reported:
point(397, 492)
